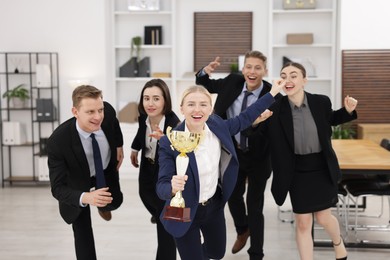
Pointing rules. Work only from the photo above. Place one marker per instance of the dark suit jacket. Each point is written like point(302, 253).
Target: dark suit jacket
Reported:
point(223, 129)
point(68, 165)
point(280, 131)
point(139, 140)
point(228, 89)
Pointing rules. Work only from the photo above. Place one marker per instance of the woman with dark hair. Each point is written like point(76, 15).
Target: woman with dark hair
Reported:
point(155, 108)
point(303, 160)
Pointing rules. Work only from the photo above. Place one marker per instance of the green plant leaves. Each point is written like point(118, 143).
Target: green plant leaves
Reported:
point(18, 92)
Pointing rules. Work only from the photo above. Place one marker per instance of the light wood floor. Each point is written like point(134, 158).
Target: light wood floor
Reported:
point(31, 228)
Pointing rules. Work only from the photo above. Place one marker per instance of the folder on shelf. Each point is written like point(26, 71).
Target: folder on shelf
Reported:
point(129, 69)
point(144, 67)
point(43, 76)
point(43, 146)
point(43, 169)
point(46, 111)
point(13, 133)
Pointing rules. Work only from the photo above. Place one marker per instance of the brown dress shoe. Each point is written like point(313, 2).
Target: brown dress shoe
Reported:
point(106, 215)
point(240, 242)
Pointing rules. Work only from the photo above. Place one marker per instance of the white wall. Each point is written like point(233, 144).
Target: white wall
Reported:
point(73, 28)
point(79, 31)
point(365, 24)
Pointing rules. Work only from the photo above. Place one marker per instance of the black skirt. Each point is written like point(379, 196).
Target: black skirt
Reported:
point(312, 189)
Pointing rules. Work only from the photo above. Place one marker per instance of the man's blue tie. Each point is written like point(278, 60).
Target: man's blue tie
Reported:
point(97, 159)
point(244, 105)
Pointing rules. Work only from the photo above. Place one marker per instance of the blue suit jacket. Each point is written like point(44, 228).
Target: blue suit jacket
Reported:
point(223, 129)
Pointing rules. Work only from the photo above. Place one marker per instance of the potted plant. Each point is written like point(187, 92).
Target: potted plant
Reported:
point(234, 67)
point(130, 68)
point(343, 131)
point(17, 95)
point(136, 46)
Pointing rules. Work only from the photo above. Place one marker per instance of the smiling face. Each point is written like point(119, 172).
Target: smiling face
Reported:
point(254, 70)
point(196, 108)
point(295, 80)
point(153, 101)
point(89, 114)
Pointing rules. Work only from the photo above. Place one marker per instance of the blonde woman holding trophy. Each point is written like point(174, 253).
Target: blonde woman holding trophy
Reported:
point(209, 176)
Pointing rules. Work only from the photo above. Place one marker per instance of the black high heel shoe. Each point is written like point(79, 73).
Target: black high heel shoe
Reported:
point(339, 243)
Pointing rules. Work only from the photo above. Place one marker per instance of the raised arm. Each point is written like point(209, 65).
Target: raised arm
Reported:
point(212, 66)
point(350, 104)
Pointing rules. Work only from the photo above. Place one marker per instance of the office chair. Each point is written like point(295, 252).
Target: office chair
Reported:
point(385, 143)
point(289, 218)
point(379, 186)
point(342, 206)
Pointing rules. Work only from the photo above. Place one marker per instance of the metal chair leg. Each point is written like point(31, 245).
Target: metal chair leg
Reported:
point(281, 211)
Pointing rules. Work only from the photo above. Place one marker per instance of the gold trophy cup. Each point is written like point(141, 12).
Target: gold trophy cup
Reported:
point(183, 142)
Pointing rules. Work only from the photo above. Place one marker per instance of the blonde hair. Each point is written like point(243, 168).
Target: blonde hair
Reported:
point(194, 89)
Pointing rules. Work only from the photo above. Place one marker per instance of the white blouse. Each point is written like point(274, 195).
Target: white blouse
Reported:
point(207, 156)
point(150, 142)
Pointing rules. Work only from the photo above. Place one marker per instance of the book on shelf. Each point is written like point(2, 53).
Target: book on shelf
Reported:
point(153, 35)
point(161, 75)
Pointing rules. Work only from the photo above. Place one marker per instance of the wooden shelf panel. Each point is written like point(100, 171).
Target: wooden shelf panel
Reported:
point(21, 179)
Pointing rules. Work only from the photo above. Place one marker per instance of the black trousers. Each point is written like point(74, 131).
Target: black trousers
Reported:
point(255, 172)
point(166, 247)
point(210, 221)
point(83, 236)
point(82, 227)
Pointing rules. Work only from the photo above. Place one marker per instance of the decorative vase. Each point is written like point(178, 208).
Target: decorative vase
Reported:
point(18, 103)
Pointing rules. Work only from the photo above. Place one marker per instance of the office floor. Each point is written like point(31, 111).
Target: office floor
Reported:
point(31, 228)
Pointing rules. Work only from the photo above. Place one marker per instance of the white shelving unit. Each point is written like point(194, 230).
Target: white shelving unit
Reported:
point(128, 24)
point(322, 23)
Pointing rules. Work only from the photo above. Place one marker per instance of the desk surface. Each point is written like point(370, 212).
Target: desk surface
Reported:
point(361, 154)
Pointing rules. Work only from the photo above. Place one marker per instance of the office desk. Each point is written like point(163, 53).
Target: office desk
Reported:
point(360, 156)
point(375, 132)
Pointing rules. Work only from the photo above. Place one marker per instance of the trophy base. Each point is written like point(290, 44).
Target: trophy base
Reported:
point(177, 214)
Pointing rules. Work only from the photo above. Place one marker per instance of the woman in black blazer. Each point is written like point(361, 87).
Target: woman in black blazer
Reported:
point(155, 108)
point(304, 162)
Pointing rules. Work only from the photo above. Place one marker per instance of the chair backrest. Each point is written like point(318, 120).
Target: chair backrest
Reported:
point(385, 143)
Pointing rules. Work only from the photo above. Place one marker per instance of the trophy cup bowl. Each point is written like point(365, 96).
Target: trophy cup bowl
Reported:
point(183, 142)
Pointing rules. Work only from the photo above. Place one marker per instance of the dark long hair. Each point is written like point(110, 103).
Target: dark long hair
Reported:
point(166, 95)
point(296, 65)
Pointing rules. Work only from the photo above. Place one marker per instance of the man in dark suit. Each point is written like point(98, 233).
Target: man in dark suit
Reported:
point(72, 166)
point(254, 159)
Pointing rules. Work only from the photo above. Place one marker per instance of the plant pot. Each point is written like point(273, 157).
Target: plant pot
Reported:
point(18, 103)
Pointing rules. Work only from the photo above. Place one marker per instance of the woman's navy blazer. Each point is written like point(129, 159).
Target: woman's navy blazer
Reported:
point(224, 130)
